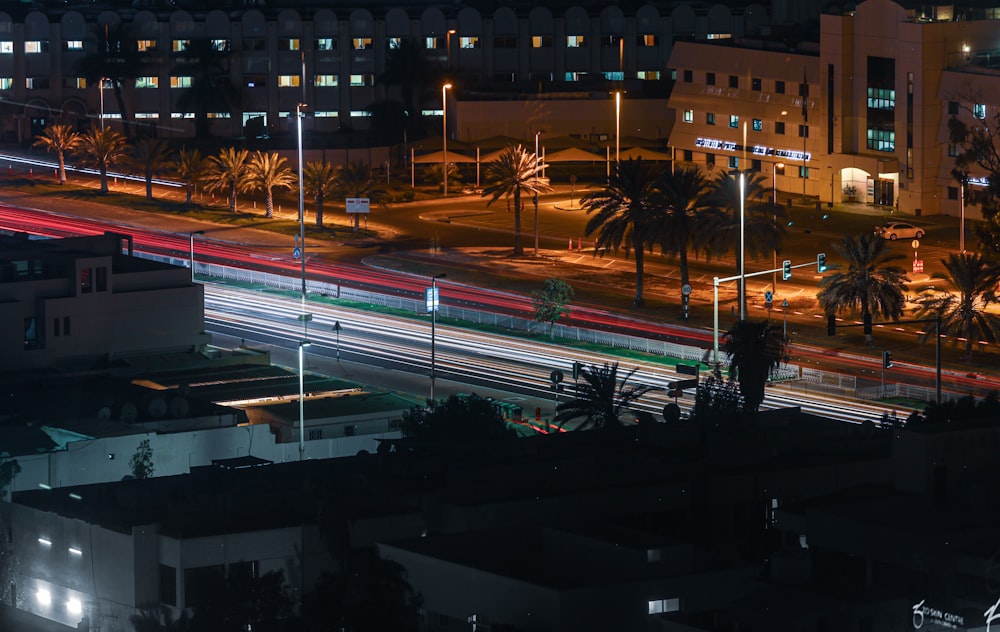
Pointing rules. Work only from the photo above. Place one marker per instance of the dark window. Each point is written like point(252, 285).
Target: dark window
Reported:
point(803, 131)
point(755, 165)
point(688, 76)
point(710, 78)
point(688, 155)
point(244, 570)
point(201, 583)
point(952, 108)
point(756, 84)
point(803, 89)
point(779, 87)
point(504, 41)
point(954, 149)
point(55, 327)
point(168, 585)
point(65, 325)
point(710, 118)
point(779, 127)
point(734, 81)
point(102, 279)
point(254, 44)
point(86, 280)
point(710, 160)
point(952, 193)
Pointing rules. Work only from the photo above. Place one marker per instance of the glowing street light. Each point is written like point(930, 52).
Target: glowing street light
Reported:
point(448, 45)
point(444, 136)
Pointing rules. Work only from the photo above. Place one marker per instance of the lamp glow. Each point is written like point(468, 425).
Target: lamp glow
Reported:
point(75, 551)
point(74, 606)
point(43, 596)
point(45, 541)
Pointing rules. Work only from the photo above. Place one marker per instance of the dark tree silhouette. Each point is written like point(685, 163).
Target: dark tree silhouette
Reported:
point(755, 348)
point(601, 399)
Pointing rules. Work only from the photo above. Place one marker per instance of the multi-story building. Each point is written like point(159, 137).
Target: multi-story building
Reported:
point(84, 301)
point(328, 58)
point(861, 115)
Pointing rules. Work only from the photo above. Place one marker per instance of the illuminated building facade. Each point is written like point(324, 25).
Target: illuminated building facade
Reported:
point(862, 115)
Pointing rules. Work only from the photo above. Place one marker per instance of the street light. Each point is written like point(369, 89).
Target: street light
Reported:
point(536, 191)
point(444, 135)
point(191, 236)
point(432, 304)
point(774, 220)
point(961, 210)
point(100, 92)
point(742, 294)
point(448, 45)
point(618, 123)
point(302, 417)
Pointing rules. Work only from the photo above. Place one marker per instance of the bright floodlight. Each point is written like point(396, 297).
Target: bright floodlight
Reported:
point(74, 606)
point(43, 596)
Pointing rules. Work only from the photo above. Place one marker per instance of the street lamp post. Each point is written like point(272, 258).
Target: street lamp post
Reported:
point(448, 46)
point(742, 294)
point(774, 220)
point(100, 92)
point(536, 191)
point(444, 135)
point(302, 417)
point(191, 259)
point(961, 210)
point(432, 304)
point(618, 123)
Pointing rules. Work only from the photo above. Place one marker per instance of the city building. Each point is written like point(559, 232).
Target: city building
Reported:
point(859, 116)
point(86, 301)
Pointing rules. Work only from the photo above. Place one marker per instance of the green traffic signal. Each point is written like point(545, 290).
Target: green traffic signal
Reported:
point(786, 270)
point(821, 262)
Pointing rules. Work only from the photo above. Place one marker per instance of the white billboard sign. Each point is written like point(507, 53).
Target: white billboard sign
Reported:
point(358, 205)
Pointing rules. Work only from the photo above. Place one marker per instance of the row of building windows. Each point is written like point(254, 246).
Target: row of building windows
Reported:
point(756, 83)
point(733, 162)
point(756, 124)
point(251, 81)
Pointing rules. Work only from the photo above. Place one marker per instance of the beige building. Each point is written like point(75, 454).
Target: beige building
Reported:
point(860, 116)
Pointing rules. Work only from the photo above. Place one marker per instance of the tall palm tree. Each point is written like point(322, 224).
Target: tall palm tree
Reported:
point(150, 157)
point(629, 211)
point(319, 180)
point(688, 216)
point(102, 148)
point(755, 348)
point(514, 170)
point(113, 57)
point(964, 317)
point(355, 180)
point(762, 230)
point(190, 167)
point(227, 171)
point(267, 171)
point(60, 139)
point(869, 284)
point(601, 398)
point(211, 89)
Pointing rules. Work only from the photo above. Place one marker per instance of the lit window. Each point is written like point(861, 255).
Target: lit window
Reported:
point(36, 46)
point(182, 115)
point(290, 44)
point(147, 82)
point(180, 45)
point(758, 125)
point(147, 115)
point(326, 43)
point(573, 76)
point(6, 83)
point(6, 48)
point(146, 45)
point(715, 36)
point(431, 43)
point(468, 42)
point(325, 81)
point(575, 41)
point(803, 172)
point(881, 99)
point(361, 43)
point(688, 116)
point(74, 44)
point(180, 82)
point(734, 162)
point(36, 83)
point(979, 110)
point(648, 40)
point(288, 81)
point(358, 81)
point(734, 120)
point(74, 83)
point(221, 45)
point(219, 115)
point(615, 75)
point(324, 114)
point(649, 75)
point(659, 606)
point(541, 41)
point(360, 113)
point(393, 42)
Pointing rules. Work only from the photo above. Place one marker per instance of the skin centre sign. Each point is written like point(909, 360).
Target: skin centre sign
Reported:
point(756, 150)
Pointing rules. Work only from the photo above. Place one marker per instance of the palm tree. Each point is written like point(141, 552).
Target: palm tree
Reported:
point(267, 170)
point(869, 285)
point(762, 232)
point(964, 317)
point(60, 139)
point(755, 348)
point(114, 57)
point(211, 90)
point(601, 398)
point(319, 181)
point(102, 148)
point(227, 172)
point(688, 215)
point(515, 170)
point(150, 157)
point(629, 211)
point(355, 180)
point(190, 167)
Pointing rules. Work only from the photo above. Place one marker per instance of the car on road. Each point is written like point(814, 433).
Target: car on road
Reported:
point(899, 230)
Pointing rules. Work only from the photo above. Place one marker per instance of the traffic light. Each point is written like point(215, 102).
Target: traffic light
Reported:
point(786, 270)
point(576, 371)
point(821, 262)
point(831, 325)
point(886, 359)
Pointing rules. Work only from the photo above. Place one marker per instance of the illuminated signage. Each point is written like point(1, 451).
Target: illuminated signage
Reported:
point(924, 614)
point(978, 181)
point(756, 150)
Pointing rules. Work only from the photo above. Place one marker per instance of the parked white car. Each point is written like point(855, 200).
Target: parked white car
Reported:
point(899, 230)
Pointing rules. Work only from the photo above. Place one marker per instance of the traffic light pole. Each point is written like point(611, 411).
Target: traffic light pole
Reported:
point(715, 290)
